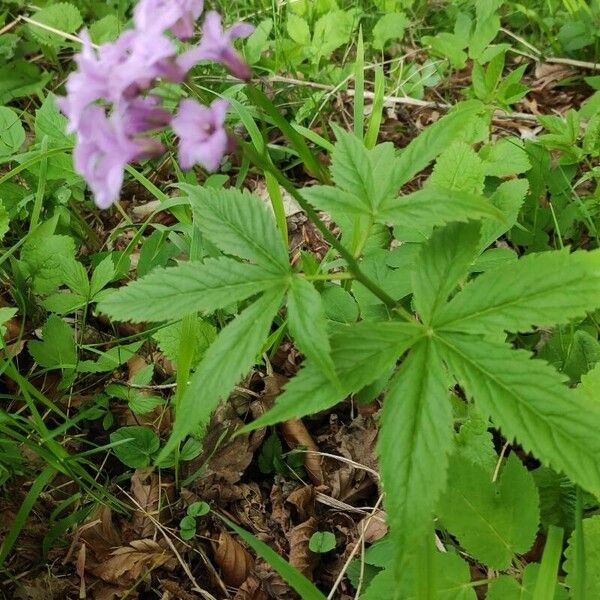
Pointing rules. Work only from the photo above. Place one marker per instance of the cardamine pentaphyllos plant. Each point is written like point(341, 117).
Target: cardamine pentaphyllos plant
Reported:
point(436, 300)
point(110, 106)
point(435, 297)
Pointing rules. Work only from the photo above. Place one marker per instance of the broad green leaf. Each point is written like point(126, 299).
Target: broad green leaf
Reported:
point(20, 78)
point(103, 274)
point(105, 29)
point(49, 121)
point(361, 353)
point(331, 31)
point(492, 521)
point(505, 157)
point(241, 224)
point(229, 357)
point(528, 400)
point(338, 203)
point(61, 16)
point(298, 29)
point(12, 134)
point(339, 305)
point(414, 442)
point(443, 261)
point(137, 451)
point(169, 339)
point(458, 168)
point(415, 215)
point(453, 581)
point(448, 45)
point(191, 287)
point(475, 442)
point(321, 542)
point(591, 537)
point(529, 292)
point(463, 123)
point(295, 579)
point(75, 276)
point(258, 42)
point(308, 326)
point(44, 258)
point(351, 167)
point(57, 349)
point(508, 198)
point(389, 27)
point(63, 303)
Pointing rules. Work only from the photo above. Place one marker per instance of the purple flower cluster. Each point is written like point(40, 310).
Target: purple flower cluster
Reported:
point(109, 105)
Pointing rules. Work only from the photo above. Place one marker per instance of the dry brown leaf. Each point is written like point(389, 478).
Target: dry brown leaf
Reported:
point(146, 492)
point(548, 73)
point(374, 527)
point(172, 587)
point(235, 562)
point(99, 534)
point(300, 556)
point(251, 589)
point(128, 564)
point(295, 434)
point(303, 499)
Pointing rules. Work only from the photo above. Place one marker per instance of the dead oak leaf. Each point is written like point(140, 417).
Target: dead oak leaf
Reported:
point(235, 562)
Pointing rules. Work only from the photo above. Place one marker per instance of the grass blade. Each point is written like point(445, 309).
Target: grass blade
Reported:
point(294, 578)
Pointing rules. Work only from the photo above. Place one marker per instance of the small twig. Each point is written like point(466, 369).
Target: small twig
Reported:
point(355, 549)
point(499, 462)
point(342, 459)
point(67, 36)
point(581, 64)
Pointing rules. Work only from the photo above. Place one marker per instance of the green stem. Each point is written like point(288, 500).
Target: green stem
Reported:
point(278, 207)
point(39, 195)
point(328, 276)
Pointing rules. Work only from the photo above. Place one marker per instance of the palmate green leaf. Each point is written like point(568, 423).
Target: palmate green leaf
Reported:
point(57, 349)
point(492, 521)
point(228, 358)
point(361, 352)
point(239, 223)
point(414, 441)
point(415, 215)
point(443, 261)
point(191, 287)
point(527, 400)
point(467, 122)
point(307, 323)
point(543, 289)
